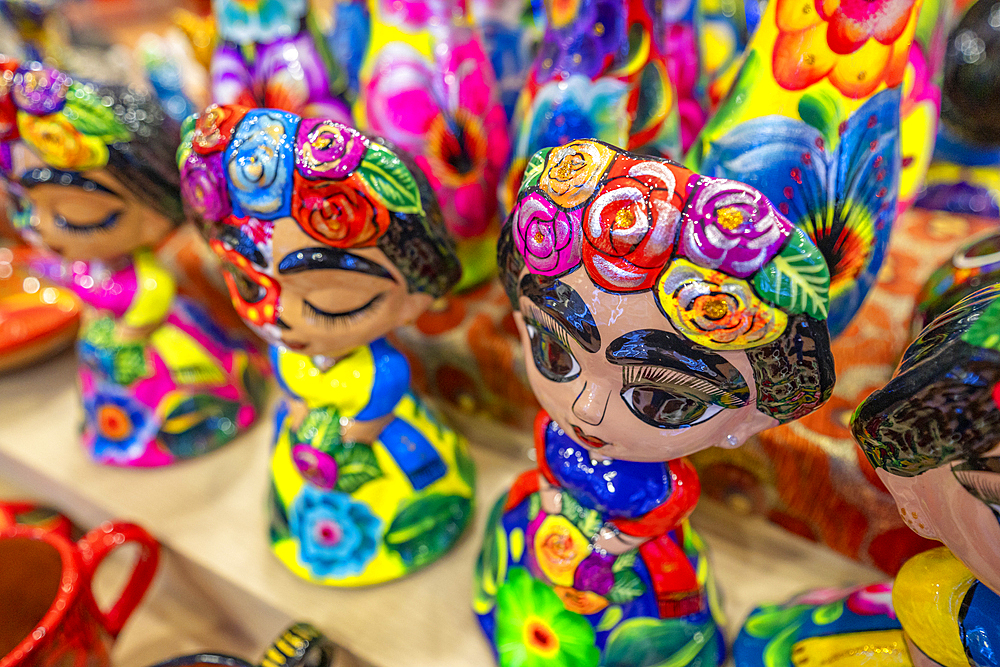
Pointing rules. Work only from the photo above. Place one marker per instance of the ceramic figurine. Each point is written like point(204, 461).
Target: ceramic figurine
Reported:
point(511, 33)
point(348, 38)
point(427, 86)
point(160, 381)
point(965, 175)
point(330, 240)
point(930, 434)
point(681, 39)
point(40, 25)
point(599, 73)
point(812, 120)
point(975, 265)
point(268, 53)
point(661, 313)
point(301, 645)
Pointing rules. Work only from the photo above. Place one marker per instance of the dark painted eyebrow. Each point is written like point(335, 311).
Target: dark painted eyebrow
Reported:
point(668, 350)
point(330, 258)
point(566, 307)
point(47, 175)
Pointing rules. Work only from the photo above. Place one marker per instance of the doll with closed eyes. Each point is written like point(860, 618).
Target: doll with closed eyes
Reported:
point(661, 313)
point(90, 169)
point(330, 239)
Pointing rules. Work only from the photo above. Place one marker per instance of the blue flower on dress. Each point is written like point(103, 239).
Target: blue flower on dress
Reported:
point(249, 21)
point(337, 536)
point(259, 163)
point(122, 427)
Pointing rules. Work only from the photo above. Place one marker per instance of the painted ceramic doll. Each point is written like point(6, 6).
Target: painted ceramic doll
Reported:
point(331, 240)
point(599, 73)
point(427, 86)
point(160, 380)
point(269, 53)
point(812, 120)
point(661, 313)
point(931, 434)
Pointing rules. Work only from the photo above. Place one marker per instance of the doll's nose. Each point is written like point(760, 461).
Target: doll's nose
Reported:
point(590, 405)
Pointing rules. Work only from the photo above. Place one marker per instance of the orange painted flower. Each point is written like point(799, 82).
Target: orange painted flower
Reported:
point(338, 213)
point(856, 44)
point(559, 547)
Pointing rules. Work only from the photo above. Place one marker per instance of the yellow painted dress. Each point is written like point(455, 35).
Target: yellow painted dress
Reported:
point(355, 513)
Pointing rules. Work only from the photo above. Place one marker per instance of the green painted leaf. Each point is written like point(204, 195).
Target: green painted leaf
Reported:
point(534, 505)
point(610, 619)
point(650, 642)
point(425, 528)
point(823, 111)
point(985, 331)
point(628, 586)
point(356, 465)
point(533, 170)
point(320, 429)
point(465, 465)
point(625, 560)
point(130, 363)
point(828, 613)
point(586, 520)
point(86, 111)
point(278, 527)
point(796, 280)
point(390, 180)
point(491, 566)
point(769, 620)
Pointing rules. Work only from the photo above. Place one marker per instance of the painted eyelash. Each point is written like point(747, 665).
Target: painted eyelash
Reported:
point(104, 226)
point(329, 320)
point(632, 375)
point(548, 323)
point(985, 486)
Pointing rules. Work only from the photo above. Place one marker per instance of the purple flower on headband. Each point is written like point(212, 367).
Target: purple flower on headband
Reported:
point(40, 91)
point(546, 236)
point(203, 187)
point(731, 227)
point(328, 150)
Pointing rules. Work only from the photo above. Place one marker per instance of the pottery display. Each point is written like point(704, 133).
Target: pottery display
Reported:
point(331, 239)
point(427, 85)
point(812, 121)
point(661, 313)
point(56, 620)
point(92, 167)
point(930, 434)
point(301, 645)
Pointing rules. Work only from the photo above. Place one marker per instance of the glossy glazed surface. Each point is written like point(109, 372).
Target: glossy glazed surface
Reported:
point(330, 241)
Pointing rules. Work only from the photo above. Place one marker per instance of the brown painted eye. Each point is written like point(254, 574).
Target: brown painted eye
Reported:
point(552, 358)
point(664, 408)
point(248, 290)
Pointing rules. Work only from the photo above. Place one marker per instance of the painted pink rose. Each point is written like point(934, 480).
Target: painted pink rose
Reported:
point(203, 187)
point(731, 227)
point(547, 236)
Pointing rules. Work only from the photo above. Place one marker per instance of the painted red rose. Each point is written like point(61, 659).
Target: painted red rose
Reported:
point(338, 213)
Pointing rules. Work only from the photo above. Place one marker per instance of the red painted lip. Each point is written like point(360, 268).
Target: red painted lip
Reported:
point(295, 346)
point(589, 440)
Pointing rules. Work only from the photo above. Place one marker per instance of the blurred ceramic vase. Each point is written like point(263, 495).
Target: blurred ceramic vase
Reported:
point(657, 319)
point(930, 434)
point(330, 240)
point(428, 86)
point(599, 73)
point(269, 53)
point(301, 645)
point(92, 166)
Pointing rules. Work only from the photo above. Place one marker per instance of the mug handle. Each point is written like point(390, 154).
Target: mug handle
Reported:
point(94, 548)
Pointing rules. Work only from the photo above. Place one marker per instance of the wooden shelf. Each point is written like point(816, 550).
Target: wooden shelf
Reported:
point(210, 514)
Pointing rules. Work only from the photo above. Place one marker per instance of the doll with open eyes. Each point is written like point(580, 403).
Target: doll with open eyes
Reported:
point(932, 436)
point(91, 169)
point(330, 240)
point(661, 313)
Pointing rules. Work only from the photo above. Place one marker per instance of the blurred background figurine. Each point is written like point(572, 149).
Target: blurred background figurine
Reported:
point(330, 240)
point(91, 168)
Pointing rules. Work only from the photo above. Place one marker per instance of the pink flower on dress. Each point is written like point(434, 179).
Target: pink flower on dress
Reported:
point(547, 237)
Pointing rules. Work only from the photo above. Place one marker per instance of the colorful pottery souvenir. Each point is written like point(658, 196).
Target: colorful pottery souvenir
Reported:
point(39, 24)
point(661, 313)
point(511, 32)
point(931, 435)
point(975, 265)
point(269, 53)
point(14, 513)
point(49, 617)
point(681, 37)
point(330, 240)
point(301, 645)
point(599, 74)
point(812, 120)
point(93, 169)
point(37, 320)
point(428, 87)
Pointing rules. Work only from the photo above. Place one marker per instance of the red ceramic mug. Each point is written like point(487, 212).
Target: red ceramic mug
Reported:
point(48, 616)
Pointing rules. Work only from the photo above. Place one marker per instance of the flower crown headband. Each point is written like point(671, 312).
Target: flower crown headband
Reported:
point(726, 268)
point(69, 124)
point(339, 186)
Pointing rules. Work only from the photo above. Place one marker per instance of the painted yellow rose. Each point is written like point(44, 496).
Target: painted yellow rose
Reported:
point(716, 310)
point(559, 548)
point(573, 172)
point(60, 144)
